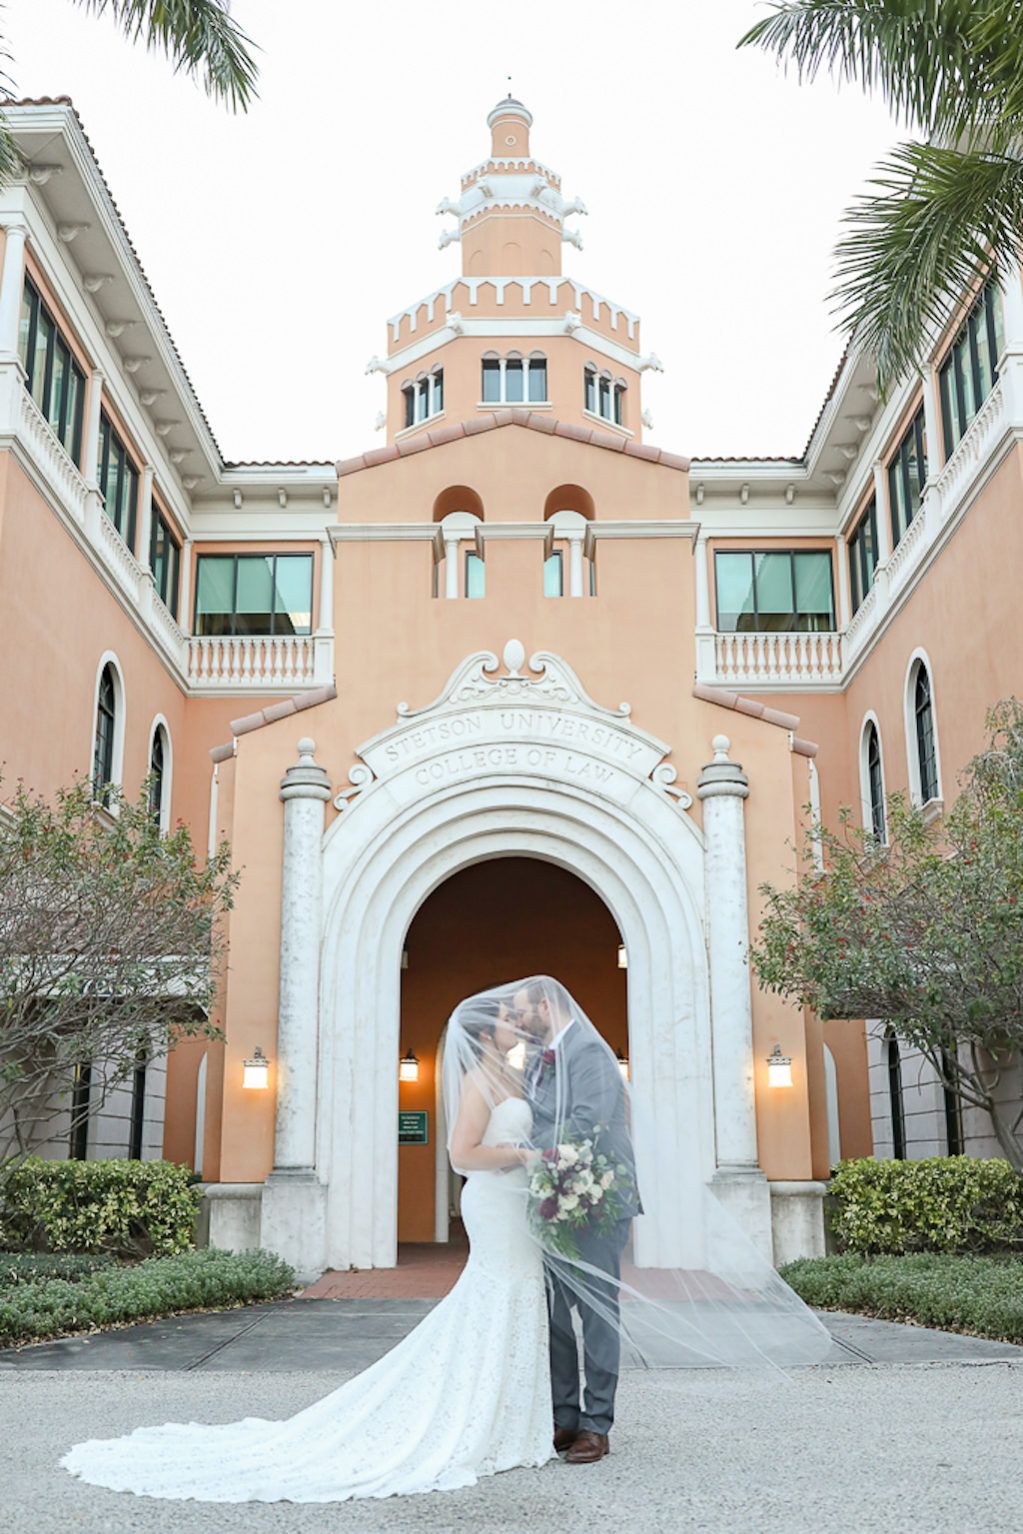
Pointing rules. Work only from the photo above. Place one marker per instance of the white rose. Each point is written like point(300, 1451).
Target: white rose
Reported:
point(607, 1179)
point(569, 1202)
point(568, 1155)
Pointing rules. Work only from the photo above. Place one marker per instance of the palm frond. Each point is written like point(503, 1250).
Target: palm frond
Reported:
point(198, 36)
point(935, 221)
point(951, 68)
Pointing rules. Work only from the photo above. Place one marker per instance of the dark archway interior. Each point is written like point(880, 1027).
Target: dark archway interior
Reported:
point(494, 922)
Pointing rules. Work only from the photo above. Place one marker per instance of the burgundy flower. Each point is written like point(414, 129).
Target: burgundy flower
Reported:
point(550, 1155)
point(549, 1208)
point(548, 1057)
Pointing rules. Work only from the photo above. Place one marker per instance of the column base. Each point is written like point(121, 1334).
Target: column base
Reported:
point(797, 1220)
point(745, 1193)
point(229, 1216)
point(293, 1221)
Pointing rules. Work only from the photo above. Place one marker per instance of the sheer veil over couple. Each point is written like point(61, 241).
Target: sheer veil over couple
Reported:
point(568, 1272)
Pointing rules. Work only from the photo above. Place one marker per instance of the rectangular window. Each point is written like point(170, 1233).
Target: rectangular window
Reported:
point(52, 376)
point(553, 575)
point(491, 381)
point(410, 405)
point(165, 561)
point(254, 594)
point(118, 482)
point(863, 555)
point(513, 383)
point(781, 591)
point(590, 391)
point(907, 475)
point(537, 380)
point(970, 369)
point(475, 576)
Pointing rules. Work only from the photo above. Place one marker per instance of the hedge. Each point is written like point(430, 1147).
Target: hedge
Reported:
point(129, 1207)
point(23, 1267)
point(982, 1296)
point(33, 1310)
point(946, 1204)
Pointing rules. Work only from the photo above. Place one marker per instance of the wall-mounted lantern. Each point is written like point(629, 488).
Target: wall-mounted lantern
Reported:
point(623, 1065)
point(623, 957)
point(256, 1072)
point(408, 1066)
point(779, 1068)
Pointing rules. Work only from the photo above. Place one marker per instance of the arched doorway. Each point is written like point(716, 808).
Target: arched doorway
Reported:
point(490, 922)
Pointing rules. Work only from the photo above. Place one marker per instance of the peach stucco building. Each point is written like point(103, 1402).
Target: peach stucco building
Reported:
point(514, 692)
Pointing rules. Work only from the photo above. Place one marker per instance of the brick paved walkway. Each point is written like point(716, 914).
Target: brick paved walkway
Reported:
point(425, 1271)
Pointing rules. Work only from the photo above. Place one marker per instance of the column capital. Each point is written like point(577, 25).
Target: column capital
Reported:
point(722, 777)
point(306, 779)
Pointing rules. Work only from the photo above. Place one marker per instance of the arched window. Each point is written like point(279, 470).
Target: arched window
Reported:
point(423, 395)
point(513, 379)
point(160, 776)
point(872, 779)
point(923, 725)
point(603, 395)
point(106, 725)
point(895, 1097)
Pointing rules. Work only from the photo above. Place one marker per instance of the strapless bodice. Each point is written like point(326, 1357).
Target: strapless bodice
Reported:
point(510, 1121)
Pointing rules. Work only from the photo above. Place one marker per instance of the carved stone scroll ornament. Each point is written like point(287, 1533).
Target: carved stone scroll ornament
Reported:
point(360, 777)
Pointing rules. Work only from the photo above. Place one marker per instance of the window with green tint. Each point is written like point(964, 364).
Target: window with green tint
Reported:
point(970, 369)
point(907, 475)
point(52, 376)
point(475, 576)
point(165, 561)
point(554, 575)
point(254, 594)
point(863, 555)
point(118, 481)
point(775, 591)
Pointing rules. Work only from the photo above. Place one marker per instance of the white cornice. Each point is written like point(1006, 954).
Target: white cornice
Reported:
point(387, 532)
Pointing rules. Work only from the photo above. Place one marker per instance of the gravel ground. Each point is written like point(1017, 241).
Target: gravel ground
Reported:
point(879, 1448)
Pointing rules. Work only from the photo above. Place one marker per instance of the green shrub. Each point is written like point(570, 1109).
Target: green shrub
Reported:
point(946, 1204)
point(23, 1267)
point(160, 1286)
point(129, 1207)
point(979, 1295)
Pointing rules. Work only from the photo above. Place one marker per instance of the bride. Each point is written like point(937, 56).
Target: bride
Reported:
point(549, 1139)
point(466, 1394)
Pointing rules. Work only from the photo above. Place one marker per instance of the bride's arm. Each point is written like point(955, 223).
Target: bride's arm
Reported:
point(468, 1153)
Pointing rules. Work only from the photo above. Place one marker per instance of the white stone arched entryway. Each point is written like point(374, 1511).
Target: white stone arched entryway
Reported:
point(504, 765)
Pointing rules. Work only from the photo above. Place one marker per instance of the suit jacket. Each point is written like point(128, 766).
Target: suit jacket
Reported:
point(586, 1086)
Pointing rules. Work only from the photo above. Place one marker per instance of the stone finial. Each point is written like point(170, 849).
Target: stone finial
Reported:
point(514, 656)
point(722, 776)
point(306, 779)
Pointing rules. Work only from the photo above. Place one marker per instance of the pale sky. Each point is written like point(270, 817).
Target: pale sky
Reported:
point(278, 243)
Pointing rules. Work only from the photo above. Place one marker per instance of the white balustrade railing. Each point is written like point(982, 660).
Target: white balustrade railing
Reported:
point(973, 450)
point(118, 558)
point(50, 456)
point(790, 659)
point(251, 661)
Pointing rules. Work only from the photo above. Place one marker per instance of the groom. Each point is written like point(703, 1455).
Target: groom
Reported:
point(574, 1087)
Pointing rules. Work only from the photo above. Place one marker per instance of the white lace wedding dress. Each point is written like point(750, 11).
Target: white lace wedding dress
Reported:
point(467, 1393)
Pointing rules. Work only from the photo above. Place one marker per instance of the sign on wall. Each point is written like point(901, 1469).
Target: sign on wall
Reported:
point(414, 1127)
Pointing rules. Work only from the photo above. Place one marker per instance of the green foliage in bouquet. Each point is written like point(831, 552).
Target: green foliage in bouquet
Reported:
point(576, 1187)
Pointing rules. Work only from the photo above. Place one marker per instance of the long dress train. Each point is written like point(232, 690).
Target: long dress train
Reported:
point(466, 1394)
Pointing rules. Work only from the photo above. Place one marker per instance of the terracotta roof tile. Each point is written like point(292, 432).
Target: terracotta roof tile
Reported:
point(272, 713)
point(757, 710)
point(532, 420)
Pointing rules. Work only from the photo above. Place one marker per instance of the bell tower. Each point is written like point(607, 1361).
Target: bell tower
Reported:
point(512, 329)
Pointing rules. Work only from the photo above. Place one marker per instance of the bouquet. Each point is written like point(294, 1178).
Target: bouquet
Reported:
point(575, 1186)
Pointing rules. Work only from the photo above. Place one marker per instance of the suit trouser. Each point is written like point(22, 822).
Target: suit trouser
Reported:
point(594, 1295)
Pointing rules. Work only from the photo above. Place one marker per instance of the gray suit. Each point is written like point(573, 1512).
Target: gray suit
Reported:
point(586, 1086)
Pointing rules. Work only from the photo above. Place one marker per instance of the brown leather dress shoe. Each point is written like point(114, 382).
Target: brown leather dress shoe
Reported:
point(588, 1448)
point(564, 1438)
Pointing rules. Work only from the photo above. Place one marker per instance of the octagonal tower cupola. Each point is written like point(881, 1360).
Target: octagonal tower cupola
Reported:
point(511, 213)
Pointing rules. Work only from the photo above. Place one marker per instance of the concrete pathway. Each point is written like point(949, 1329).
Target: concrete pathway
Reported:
point(900, 1431)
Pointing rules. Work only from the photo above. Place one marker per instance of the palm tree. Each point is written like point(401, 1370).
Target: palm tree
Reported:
point(947, 205)
point(198, 36)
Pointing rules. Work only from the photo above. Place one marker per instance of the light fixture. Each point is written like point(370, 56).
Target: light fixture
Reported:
point(408, 1066)
point(256, 1072)
point(779, 1068)
point(623, 957)
point(404, 958)
point(623, 1065)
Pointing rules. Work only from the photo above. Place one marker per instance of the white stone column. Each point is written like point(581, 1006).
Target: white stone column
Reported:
point(90, 455)
point(575, 563)
point(1010, 364)
point(932, 426)
point(706, 664)
point(11, 286)
point(845, 612)
point(883, 512)
point(145, 518)
point(184, 612)
point(738, 1181)
point(451, 565)
point(292, 1210)
point(323, 639)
